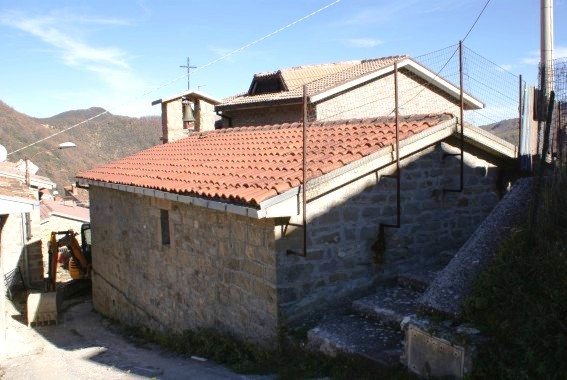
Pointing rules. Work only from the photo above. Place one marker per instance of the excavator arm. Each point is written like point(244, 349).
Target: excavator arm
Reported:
point(68, 240)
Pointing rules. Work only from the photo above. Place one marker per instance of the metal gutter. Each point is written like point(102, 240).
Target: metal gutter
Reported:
point(186, 199)
point(490, 142)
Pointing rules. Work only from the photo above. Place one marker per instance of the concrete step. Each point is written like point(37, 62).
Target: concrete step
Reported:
point(418, 281)
point(388, 305)
point(357, 338)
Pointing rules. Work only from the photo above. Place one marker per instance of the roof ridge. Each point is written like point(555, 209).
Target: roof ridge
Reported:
point(321, 123)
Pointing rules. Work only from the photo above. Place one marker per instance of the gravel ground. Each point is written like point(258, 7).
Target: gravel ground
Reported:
point(85, 346)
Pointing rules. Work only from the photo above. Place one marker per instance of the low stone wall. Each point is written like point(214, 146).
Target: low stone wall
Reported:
point(343, 227)
point(447, 292)
point(217, 272)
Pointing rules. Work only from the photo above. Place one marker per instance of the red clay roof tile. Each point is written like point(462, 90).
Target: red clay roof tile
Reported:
point(249, 165)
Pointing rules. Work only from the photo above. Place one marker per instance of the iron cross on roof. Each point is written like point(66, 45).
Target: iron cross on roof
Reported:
point(188, 67)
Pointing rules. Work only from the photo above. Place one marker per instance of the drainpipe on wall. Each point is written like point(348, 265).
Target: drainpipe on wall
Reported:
point(462, 123)
point(25, 247)
point(379, 246)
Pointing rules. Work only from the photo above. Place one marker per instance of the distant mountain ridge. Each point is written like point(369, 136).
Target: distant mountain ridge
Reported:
point(505, 129)
point(103, 139)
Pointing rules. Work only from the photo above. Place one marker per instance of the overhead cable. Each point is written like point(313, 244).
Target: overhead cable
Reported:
point(185, 75)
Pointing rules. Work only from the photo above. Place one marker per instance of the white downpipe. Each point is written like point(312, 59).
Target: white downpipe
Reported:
point(25, 247)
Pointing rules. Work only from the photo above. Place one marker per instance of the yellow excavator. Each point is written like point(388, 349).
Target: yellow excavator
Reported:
point(42, 307)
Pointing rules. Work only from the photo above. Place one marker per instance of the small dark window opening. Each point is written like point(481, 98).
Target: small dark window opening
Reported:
point(164, 221)
point(267, 86)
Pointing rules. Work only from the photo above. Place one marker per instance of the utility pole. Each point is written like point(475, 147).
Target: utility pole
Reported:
point(546, 64)
point(546, 45)
point(188, 67)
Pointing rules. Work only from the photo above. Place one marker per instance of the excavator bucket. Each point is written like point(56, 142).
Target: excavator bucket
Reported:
point(42, 308)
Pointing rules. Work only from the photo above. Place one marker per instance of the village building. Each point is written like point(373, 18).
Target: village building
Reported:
point(80, 197)
point(20, 233)
point(208, 231)
point(61, 215)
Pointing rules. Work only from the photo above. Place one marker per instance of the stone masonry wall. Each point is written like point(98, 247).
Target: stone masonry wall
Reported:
point(344, 224)
point(265, 115)
point(172, 121)
point(218, 272)
point(376, 98)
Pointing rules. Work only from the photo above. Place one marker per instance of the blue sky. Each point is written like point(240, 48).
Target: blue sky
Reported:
point(62, 55)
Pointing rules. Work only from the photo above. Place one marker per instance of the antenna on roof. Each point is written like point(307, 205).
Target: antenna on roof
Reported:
point(188, 67)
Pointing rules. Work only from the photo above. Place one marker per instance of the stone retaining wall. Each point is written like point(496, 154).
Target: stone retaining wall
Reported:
point(217, 272)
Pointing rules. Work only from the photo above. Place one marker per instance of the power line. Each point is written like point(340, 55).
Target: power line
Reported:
point(185, 75)
point(475, 21)
point(451, 57)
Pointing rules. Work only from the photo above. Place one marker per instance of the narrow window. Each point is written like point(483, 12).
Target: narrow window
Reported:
point(164, 221)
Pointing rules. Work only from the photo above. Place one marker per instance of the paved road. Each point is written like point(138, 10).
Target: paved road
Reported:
point(82, 346)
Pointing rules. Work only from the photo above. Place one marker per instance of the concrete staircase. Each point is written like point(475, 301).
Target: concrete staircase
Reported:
point(372, 332)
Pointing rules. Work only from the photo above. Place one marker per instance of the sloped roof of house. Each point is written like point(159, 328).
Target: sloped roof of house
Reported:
point(248, 165)
point(14, 170)
point(15, 196)
point(321, 79)
point(65, 209)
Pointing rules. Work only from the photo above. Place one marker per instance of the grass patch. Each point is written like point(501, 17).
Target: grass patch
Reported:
point(520, 302)
point(290, 361)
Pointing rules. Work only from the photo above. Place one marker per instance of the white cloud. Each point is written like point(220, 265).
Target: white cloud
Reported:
point(504, 67)
point(534, 56)
point(362, 42)
point(64, 33)
point(74, 52)
point(560, 52)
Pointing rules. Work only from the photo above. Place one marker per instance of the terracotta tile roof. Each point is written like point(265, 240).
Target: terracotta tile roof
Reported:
point(12, 187)
point(318, 78)
point(65, 208)
point(248, 165)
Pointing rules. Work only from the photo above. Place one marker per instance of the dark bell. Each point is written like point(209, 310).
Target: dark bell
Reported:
point(188, 115)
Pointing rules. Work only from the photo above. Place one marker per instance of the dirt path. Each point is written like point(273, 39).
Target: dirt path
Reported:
point(83, 346)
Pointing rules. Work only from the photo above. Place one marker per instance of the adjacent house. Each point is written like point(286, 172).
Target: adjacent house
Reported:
point(61, 215)
point(79, 196)
point(207, 231)
point(20, 241)
point(343, 90)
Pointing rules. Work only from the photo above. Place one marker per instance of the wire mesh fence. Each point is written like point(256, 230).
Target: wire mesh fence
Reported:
point(426, 84)
point(422, 85)
point(559, 121)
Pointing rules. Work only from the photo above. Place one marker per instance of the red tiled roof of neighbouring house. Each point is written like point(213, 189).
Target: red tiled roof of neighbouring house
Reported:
point(11, 187)
point(317, 77)
point(248, 165)
point(66, 209)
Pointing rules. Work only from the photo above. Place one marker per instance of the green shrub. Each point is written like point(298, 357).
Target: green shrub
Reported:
point(521, 301)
